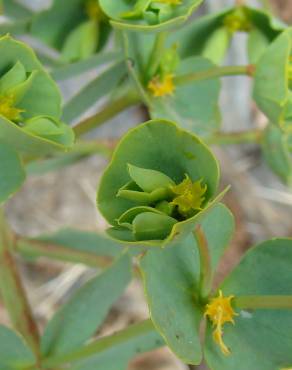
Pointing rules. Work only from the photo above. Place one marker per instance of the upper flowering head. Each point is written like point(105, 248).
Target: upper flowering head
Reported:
point(30, 102)
point(148, 15)
point(159, 183)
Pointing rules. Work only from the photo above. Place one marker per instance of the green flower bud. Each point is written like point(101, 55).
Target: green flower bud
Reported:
point(30, 103)
point(159, 184)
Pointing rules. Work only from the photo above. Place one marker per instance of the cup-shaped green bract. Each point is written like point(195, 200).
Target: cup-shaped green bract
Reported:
point(148, 15)
point(272, 80)
point(30, 103)
point(76, 28)
point(161, 181)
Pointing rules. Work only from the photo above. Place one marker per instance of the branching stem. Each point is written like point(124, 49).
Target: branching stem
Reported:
point(247, 70)
point(271, 302)
point(12, 291)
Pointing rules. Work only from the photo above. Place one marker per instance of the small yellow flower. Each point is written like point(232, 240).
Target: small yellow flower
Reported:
point(161, 86)
point(171, 2)
point(190, 195)
point(236, 22)
point(8, 110)
point(219, 311)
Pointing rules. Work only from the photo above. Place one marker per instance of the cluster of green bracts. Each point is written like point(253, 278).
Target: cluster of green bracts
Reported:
point(30, 103)
point(159, 183)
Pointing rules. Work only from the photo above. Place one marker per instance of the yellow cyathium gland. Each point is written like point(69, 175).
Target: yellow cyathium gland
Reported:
point(8, 109)
point(219, 311)
point(189, 195)
point(161, 86)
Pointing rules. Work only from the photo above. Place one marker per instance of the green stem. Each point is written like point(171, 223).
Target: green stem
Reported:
point(156, 54)
point(206, 275)
point(101, 345)
point(110, 110)
point(240, 137)
point(214, 72)
point(272, 302)
point(12, 291)
point(37, 248)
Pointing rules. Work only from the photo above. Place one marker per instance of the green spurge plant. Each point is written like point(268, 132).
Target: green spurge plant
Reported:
point(159, 193)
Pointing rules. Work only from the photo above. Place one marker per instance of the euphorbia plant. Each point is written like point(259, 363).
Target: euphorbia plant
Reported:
point(159, 192)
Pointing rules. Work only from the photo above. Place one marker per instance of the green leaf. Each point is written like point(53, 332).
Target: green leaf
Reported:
point(13, 9)
point(161, 146)
point(276, 152)
point(171, 282)
point(78, 319)
point(12, 174)
point(140, 338)
point(152, 226)
point(260, 339)
point(149, 180)
point(193, 37)
point(256, 45)
point(218, 227)
point(271, 91)
point(81, 42)
point(14, 354)
point(173, 299)
point(64, 16)
point(84, 241)
point(178, 15)
point(92, 92)
point(193, 105)
point(217, 45)
point(74, 69)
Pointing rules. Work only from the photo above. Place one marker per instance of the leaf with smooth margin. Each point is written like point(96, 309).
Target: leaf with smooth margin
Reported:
point(193, 105)
point(65, 16)
point(76, 321)
point(14, 354)
point(74, 69)
point(276, 152)
point(91, 93)
point(260, 339)
point(114, 9)
point(172, 298)
point(146, 339)
point(14, 10)
point(84, 241)
point(171, 281)
point(12, 173)
point(271, 90)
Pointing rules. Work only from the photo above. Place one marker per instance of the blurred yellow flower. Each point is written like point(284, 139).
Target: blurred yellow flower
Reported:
point(7, 108)
point(161, 86)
